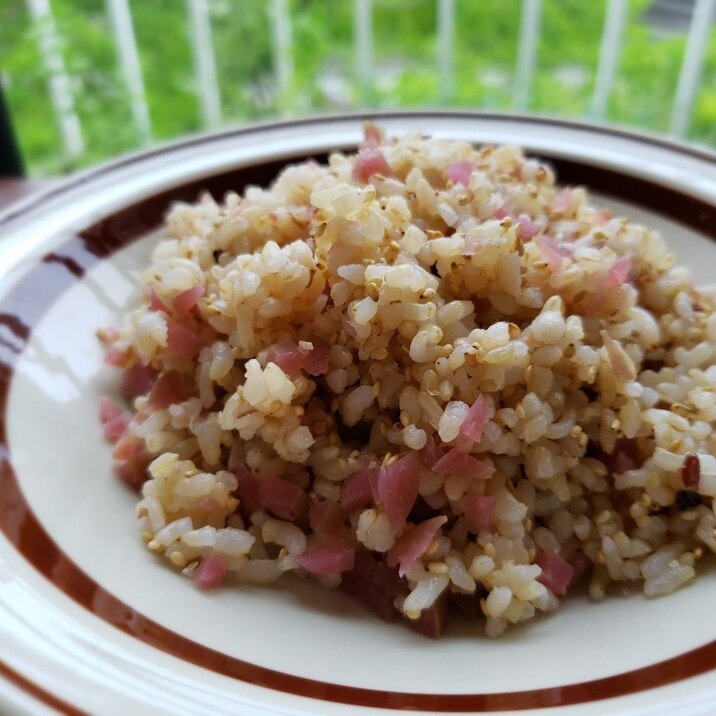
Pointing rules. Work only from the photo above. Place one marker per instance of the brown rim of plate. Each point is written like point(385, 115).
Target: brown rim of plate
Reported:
point(37, 693)
point(25, 304)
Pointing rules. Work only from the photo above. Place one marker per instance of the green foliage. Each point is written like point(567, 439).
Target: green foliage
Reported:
point(162, 32)
point(325, 76)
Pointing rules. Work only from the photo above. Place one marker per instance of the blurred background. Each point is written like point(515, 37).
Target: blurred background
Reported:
point(87, 80)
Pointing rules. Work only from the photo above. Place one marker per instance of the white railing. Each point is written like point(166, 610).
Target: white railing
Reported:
point(206, 80)
point(363, 43)
point(131, 66)
point(280, 22)
point(59, 85)
point(446, 48)
point(608, 56)
point(692, 66)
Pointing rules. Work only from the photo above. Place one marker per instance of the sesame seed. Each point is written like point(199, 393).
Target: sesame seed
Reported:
point(178, 559)
point(438, 568)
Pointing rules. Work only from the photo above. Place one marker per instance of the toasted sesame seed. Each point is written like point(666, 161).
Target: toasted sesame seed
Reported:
point(178, 559)
point(438, 568)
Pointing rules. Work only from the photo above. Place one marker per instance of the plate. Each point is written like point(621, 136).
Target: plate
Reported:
point(90, 622)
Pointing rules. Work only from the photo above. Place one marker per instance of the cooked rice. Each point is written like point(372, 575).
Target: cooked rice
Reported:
point(544, 361)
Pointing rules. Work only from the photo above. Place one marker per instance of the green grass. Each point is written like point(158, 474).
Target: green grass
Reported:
point(324, 77)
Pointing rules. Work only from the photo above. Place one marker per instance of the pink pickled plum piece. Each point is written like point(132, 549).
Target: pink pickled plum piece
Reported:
point(286, 356)
point(211, 572)
point(369, 162)
point(185, 301)
point(134, 471)
point(413, 543)
point(316, 361)
point(328, 558)
point(623, 461)
point(397, 488)
point(115, 419)
point(528, 229)
point(619, 272)
point(562, 201)
point(356, 489)
point(108, 409)
point(137, 380)
point(480, 413)
point(282, 497)
point(156, 303)
point(580, 562)
point(290, 358)
point(372, 137)
point(432, 452)
point(182, 341)
point(460, 172)
point(108, 335)
point(133, 458)
point(373, 584)
point(456, 462)
point(116, 357)
point(556, 574)
point(248, 489)
point(473, 244)
point(479, 512)
point(170, 388)
point(325, 516)
point(551, 251)
point(127, 447)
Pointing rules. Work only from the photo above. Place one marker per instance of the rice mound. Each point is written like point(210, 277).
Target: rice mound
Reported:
point(427, 374)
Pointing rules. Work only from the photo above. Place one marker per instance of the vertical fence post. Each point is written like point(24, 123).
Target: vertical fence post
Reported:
point(692, 67)
point(59, 82)
point(446, 43)
point(282, 49)
point(131, 68)
point(204, 63)
point(527, 52)
point(608, 56)
point(363, 44)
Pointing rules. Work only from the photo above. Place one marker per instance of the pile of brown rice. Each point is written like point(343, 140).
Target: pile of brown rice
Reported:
point(426, 373)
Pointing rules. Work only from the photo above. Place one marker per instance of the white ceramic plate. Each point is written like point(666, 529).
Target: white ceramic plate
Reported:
point(90, 622)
